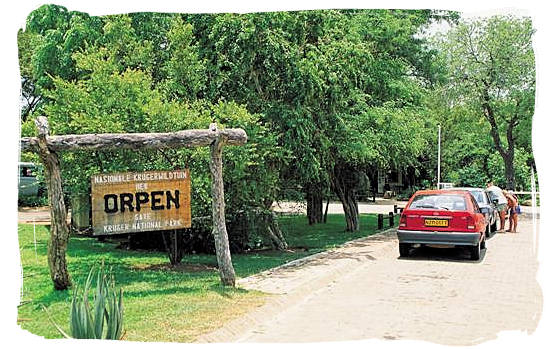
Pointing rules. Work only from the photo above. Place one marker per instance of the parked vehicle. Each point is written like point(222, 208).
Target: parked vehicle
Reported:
point(483, 200)
point(442, 217)
point(28, 183)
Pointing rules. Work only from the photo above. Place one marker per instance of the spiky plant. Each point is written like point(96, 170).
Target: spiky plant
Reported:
point(89, 320)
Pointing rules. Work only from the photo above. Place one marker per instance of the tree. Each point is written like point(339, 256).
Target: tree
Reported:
point(336, 88)
point(310, 74)
point(113, 89)
point(367, 82)
point(52, 35)
point(492, 71)
point(253, 59)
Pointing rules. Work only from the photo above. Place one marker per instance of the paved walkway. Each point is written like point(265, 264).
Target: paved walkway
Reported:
point(364, 290)
point(379, 206)
point(36, 215)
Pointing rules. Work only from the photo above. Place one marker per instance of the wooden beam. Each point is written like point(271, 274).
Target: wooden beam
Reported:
point(48, 146)
point(138, 141)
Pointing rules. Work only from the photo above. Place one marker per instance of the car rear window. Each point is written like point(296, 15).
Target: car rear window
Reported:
point(439, 201)
point(478, 195)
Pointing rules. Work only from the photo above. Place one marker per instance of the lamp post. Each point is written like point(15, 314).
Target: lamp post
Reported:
point(438, 156)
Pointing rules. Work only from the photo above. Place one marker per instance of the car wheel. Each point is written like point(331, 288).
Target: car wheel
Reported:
point(404, 249)
point(475, 252)
point(494, 227)
point(483, 244)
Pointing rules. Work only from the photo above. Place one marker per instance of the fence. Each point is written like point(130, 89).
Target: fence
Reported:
point(390, 217)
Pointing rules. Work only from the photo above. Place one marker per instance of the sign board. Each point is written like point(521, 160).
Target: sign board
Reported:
point(144, 201)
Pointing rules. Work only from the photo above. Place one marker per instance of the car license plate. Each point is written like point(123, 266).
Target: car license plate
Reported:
point(430, 222)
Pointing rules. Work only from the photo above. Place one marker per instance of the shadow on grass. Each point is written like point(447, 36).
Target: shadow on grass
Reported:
point(165, 291)
point(226, 291)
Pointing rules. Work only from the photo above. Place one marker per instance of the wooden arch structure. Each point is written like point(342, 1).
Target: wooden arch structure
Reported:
point(48, 148)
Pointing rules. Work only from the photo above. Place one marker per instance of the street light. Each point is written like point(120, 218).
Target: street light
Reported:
point(438, 156)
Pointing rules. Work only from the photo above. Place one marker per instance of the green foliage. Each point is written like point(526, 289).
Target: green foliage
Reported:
point(521, 169)
point(184, 71)
point(117, 93)
point(57, 34)
point(470, 176)
point(103, 319)
point(33, 201)
point(318, 93)
point(491, 67)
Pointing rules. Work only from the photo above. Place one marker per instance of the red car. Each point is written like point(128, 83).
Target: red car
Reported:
point(442, 217)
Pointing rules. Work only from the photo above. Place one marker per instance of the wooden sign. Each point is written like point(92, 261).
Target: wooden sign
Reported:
point(145, 201)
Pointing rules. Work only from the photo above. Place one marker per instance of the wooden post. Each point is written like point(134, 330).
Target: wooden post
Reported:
point(80, 212)
point(380, 221)
point(221, 240)
point(59, 231)
point(391, 219)
point(48, 146)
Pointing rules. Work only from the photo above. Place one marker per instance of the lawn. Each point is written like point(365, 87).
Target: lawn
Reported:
point(162, 303)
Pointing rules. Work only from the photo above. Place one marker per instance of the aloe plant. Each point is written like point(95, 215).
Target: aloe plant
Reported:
point(88, 320)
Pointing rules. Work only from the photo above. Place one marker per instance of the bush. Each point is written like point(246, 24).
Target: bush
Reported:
point(247, 230)
point(33, 201)
point(407, 193)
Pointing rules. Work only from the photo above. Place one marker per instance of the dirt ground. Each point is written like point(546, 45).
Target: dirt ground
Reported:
point(364, 290)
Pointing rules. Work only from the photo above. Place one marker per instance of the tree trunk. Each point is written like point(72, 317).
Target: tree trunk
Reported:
point(59, 230)
point(277, 237)
point(326, 209)
point(314, 204)
point(507, 155)
point(275, 233)
point(344, 187)
point(509, 171)
point(173, 247)
point(221, 240)
point(373, 179)
point(351, 210)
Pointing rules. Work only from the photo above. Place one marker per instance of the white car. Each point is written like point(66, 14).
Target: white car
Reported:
point(28, 183)
point(488, 206)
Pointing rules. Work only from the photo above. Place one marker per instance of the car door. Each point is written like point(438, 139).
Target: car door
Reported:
point(481, 222)
point(492, 208)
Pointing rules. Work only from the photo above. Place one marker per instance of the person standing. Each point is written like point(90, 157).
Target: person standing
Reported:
point(495, 193)
point(513, 207)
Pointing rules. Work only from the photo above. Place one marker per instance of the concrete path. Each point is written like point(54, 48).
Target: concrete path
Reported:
point(379, 206)
point(36, 215)
point(364, 290)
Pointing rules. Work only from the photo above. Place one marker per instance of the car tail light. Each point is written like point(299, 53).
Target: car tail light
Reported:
point(470, 222)
point(403, 220)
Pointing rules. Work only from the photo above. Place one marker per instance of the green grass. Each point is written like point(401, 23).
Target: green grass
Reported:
point(162, 303)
